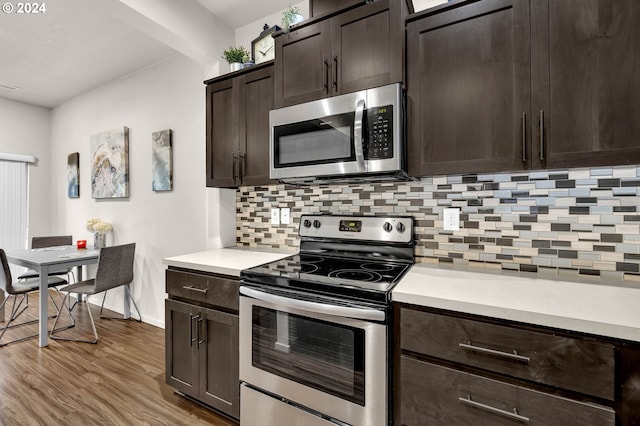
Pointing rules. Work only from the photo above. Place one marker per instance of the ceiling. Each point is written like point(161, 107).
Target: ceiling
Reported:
point(78, 45)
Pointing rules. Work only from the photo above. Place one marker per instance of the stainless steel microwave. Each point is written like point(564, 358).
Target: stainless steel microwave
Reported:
point(356, 136)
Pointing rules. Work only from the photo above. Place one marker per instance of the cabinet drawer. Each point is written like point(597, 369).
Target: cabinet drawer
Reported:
point(567, 363)
point(213, 290)
point(436, 395)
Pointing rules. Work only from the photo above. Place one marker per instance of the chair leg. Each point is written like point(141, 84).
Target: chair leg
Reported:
point(126, 289)
point(93, 326)
point(62, 305)
point(16, 310)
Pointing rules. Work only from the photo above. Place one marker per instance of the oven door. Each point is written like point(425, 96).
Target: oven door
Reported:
point(329, 359)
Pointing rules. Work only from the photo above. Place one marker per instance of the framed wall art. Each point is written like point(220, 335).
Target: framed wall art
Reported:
point(162, 160)
point(73, 175)
point(110, 164)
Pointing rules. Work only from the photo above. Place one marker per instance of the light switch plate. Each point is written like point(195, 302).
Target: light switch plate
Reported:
point(451, 219)
point(285, 215)
point(275, 216)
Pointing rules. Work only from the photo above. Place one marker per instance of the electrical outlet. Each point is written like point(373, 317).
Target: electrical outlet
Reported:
point(285, 215)
point(451, 219)
point(275, 216)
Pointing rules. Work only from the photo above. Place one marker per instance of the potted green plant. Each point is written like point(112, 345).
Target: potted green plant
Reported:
point(234, 56)
point(290, 16)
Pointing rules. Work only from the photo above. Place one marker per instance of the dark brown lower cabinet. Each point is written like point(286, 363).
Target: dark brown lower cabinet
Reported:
point(437, 395)
point(459, 369)
point(202, 340)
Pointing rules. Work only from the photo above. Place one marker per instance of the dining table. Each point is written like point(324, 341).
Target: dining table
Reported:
point(43, 260)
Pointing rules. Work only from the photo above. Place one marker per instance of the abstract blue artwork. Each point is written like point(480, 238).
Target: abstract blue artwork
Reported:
point(162, 160)
point(110, 164)
point(73, 172)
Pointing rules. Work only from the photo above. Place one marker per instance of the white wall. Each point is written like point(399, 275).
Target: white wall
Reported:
point(169, 95)
point(26, 129)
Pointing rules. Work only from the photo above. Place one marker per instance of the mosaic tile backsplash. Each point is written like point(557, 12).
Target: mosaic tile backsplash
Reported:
point(572, 223)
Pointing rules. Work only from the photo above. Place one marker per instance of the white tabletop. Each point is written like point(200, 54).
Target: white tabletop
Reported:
point(34, 258)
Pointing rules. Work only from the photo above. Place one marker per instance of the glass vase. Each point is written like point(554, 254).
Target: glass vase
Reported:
point(99, 240)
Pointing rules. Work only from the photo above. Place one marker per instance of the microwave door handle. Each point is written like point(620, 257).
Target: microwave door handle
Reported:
point(315, 307)
point(358, 137)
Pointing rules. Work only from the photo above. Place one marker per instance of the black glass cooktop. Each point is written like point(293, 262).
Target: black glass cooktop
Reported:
point(331, 275)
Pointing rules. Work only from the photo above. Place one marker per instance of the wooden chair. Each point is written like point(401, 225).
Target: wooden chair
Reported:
point(19, 292)
point(115, 269)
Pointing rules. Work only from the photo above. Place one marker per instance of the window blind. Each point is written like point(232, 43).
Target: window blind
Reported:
point(14, 190)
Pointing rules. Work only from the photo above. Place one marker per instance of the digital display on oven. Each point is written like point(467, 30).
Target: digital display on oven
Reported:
point(351, 225)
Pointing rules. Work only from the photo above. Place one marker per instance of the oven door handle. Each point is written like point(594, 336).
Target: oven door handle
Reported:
point(315, 307)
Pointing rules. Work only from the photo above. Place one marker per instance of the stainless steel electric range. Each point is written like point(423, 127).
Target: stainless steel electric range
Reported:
point(315, 327)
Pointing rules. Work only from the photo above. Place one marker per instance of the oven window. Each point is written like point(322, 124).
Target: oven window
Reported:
point(325, 356)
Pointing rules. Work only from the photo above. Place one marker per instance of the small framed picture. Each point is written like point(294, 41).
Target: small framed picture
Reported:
point(162, 160)
point(73, 175)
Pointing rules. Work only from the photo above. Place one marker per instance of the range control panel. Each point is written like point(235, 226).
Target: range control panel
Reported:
point(364, 228)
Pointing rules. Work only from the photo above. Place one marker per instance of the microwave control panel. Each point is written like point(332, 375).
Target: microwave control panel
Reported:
point(380, 132)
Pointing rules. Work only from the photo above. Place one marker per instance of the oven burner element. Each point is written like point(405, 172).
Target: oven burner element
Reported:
point(380, 267)
point(356, 275)
point(309, 258)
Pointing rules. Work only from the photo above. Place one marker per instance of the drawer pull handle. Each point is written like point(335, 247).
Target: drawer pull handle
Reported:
point(512, 356)
point(199, 290)
point(504, 413)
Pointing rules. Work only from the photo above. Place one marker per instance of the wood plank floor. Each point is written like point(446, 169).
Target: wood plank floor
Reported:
point(119, 381)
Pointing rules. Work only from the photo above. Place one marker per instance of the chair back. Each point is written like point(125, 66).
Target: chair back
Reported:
point(115, 267)
point(51, 241)
point(6, 281)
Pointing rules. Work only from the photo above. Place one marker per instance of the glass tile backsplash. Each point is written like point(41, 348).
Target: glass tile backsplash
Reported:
point(572, 223)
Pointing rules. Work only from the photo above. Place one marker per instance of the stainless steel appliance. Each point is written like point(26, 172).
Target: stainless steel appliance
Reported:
point(356, 136)
point(315, 326)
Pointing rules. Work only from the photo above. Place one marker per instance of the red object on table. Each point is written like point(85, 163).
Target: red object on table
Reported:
point(82, 244)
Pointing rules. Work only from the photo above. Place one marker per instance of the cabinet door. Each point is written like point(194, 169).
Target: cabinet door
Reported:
point(586, 82)
point(181, 358)
point(366, 45)
point(222, 134)
point(218, 353)
point(303, 64)
point(468, 87)
point(256, 100)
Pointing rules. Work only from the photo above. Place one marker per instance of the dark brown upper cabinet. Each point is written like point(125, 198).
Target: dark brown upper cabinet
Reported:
point(238, 128)
point(356, 49)
point(468, 95)
point(507, 85)
point(585, 82)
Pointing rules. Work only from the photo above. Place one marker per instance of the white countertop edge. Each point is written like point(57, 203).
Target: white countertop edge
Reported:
point(228, 261)
point(533, 318)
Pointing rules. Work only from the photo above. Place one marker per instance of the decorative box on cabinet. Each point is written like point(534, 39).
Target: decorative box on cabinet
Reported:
point(322, 7)
point(503, 85)
point(456, 369)
point(201, 320)
point(358, 48)
point(237, 113)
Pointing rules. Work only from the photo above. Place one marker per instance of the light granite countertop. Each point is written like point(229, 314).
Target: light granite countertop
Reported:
point(225, 261)
point(588, 307)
